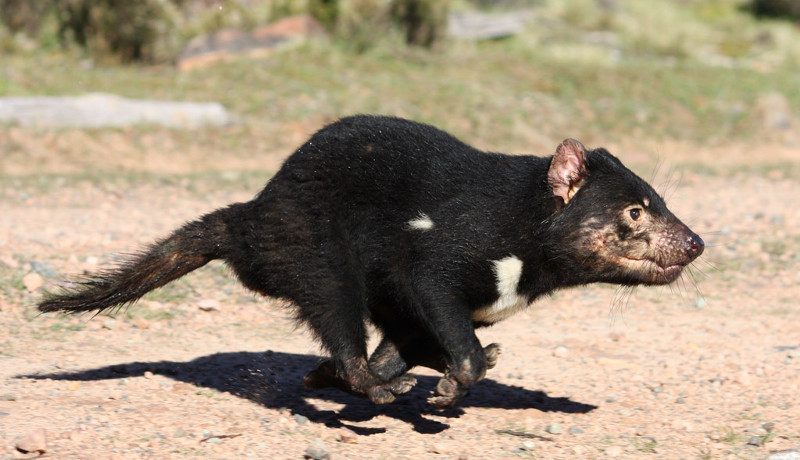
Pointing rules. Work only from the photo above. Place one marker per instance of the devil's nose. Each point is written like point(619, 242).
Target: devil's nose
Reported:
point(694, 246)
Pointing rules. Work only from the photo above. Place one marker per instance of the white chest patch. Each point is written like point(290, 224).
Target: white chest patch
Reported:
point(422, 222)
point(507, 271)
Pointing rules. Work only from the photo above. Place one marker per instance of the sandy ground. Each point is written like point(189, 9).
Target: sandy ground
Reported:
point(706, 368)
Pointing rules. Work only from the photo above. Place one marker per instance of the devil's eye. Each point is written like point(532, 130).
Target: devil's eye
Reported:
point(635, 213)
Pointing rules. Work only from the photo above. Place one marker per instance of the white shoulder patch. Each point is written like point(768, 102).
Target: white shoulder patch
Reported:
point(507, 273)
point(421, 222)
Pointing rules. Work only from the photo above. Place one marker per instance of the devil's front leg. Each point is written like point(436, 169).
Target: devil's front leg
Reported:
point(447, 318)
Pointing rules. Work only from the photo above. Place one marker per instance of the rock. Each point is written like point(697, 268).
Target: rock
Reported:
point(755, 441)
point(226, 44)
point(33, 442)
point(291, 27)
point(8, 397)
point(96, 110)
point(440, 448)
point(317, 450)
point(791, 454)
point(561, 352)
point(701, 302)
point(208, 305)
point(613, 451)
point(744, 378)
point(32, 281)
point(482, 26)
point(528, 445)
point(179, 433)
point(300, 419)
point(553, 428)
point(348, 436)
point(574, 430)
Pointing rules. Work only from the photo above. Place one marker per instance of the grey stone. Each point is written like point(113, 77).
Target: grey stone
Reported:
point(317, 450)
point(701, 302)
point(755, 441)
point(528, 445)
point(33, 442)
point(791, 454)
point(553, 428)
point(482, 26)
point(97, 110)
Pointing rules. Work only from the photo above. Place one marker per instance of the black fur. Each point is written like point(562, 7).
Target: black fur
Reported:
point(398, 223)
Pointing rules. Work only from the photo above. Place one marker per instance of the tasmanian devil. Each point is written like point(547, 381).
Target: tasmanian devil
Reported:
point(400, 224)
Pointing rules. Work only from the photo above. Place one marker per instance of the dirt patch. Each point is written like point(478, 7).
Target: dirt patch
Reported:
point(706, 368)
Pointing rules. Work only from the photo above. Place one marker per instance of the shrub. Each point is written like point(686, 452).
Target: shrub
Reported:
point(789, 9)
point(145, 30)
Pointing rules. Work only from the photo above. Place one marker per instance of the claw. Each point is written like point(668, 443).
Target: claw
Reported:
point(492, 352)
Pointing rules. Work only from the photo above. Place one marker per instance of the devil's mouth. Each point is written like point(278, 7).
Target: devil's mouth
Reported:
point(659, 274)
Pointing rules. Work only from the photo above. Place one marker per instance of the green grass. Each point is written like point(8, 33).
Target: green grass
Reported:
point(197, 184)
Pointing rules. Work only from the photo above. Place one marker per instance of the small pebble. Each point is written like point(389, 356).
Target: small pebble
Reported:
point(680, 400)
point(317, 450)
point(8, 397)
point(33, 442)
point(300, 419)
point(701, 302)
point(439, 448)
point(560, 352)
point(574, 430)
point(347, 436)
point(553, 428)
point(755, 441)
point(528, 445)
point(611, 398)
point(208, 305)
point(214, 440)
point(32, 281)
point(179, 433)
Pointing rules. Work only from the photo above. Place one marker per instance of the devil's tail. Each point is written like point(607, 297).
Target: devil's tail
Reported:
point(186, 249)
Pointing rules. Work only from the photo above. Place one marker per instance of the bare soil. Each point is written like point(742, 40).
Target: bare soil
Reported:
point(706, 368)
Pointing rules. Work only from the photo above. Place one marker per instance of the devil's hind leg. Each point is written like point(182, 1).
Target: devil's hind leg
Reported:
point(334, 307)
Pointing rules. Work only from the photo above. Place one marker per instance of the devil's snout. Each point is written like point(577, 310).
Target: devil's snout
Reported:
point(694, 245)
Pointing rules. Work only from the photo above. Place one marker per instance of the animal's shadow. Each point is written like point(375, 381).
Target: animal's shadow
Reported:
point(273, 380)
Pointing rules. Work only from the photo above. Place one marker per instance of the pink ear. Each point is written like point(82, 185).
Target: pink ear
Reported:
point(567, 169)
